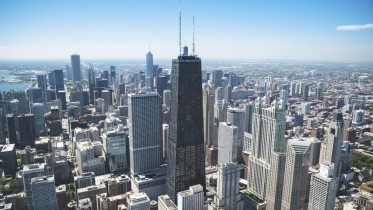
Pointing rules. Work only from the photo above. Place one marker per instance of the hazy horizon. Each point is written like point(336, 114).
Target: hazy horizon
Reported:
point(240, 30)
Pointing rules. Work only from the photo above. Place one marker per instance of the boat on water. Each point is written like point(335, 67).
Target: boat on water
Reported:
point(14, 81)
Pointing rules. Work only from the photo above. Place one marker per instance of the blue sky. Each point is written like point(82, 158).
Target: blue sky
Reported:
point(238, 29)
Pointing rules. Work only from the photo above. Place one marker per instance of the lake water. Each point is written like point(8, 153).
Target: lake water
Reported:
point(9, 86)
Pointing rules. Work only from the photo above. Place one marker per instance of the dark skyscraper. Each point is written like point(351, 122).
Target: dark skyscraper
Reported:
point(58, 80)
point(186, 156)
point(26, 129)
point(11, 124)
point(75, 65)
point(91, 76)
point(112, 74)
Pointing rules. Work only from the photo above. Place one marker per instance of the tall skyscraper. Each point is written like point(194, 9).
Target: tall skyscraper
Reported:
point(268, 136)
point(144, 131)
point(43, 193)
point(276, 181)
point(58, 80)
point(91, 75)
point(186, 156)
point(208, 115)
point(149, 67)
point(323, 190)
point(217, 75)
point(75, 66)
point(249, 110)
point(112, 74)
point(296, 179)
point(236, 117)
point(334, 142)
point(42, 84)
point(12, 128)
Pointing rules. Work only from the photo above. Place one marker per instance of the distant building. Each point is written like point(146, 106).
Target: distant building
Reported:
point(75, 68)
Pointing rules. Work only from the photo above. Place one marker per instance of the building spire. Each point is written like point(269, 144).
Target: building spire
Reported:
point(194, 47)
point(179, 27)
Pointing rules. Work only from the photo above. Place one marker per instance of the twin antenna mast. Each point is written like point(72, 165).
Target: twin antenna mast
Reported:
point(194, 47)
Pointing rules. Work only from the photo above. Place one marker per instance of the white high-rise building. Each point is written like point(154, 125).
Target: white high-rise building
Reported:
point(358, 117)
point(228, 189)
point(268, 136)
point(323, 190)
point(191, 199)
point(236, 117)
point(144, 131)
point(227, 141)
point(305, 107)
point(43, 193)
point(296, 179)
point(167, 97)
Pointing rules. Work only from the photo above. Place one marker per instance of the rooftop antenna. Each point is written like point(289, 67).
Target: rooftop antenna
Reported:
point(149, 47)
point(194, 47)
point(180, 27)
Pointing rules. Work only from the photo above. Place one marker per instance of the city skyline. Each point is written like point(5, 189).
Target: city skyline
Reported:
point(242, 30)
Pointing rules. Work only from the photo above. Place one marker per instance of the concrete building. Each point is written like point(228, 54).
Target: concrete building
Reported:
point(323, 190)
point(90, 158)
point(84, 180)
point(228, 190)
point(153, 183)
point(236, 117)
point(191, 199)
point(138, 201)
point(91, 192)
point(118, 185)
point(165, 203)
point(228, 143)
point(105, 202)
point(43, 193)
